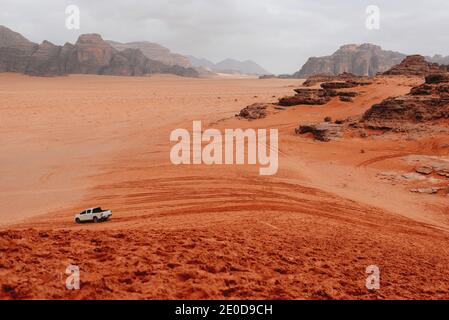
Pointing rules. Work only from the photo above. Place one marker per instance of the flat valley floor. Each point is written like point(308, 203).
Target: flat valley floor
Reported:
point(206, 232)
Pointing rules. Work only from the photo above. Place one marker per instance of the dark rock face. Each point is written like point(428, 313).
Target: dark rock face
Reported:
point(130, 62)
point(325, 131)
point(45, 61)
point(90, 55)
point(361, 60)
point(427, 102)
point(254, 111)
point(415, 65)
point(15, 51)
point(306, 96)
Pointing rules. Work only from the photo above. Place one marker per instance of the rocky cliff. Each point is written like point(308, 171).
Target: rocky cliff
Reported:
point(89, 55)
point(15, 51)
point(361, 60)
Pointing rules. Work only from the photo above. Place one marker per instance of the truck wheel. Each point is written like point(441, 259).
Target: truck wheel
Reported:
point(95, 219)
point(77, 220)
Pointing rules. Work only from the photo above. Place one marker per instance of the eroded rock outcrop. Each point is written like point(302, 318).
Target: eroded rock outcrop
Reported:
point(424, 103)
point(254, 111)
point(46, 61)
point(415, 65)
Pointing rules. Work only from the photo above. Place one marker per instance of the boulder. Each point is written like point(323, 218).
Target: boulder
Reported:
point(424, 170)
point(426, 190)
point(46, 61)
point(15, 51)
point(254, 111)
point(346, 99)
point(437, 78)
point(324, 131)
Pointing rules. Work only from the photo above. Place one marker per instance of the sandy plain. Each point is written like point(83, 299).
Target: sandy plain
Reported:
point(206, 232)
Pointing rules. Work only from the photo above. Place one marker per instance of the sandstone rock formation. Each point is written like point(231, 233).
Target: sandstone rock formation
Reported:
point(15, 51)
point(362, 60)
point(254, 111)
point(415, 65)
point(427, 102)
point(324, 131)
point(329, 89)
point(306, 96)
point(89, 55)
point(46, 61)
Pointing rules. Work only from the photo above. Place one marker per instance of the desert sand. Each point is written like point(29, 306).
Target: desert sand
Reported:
point(206, 232)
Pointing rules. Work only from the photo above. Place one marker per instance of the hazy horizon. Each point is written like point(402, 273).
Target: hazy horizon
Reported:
point(278, 35)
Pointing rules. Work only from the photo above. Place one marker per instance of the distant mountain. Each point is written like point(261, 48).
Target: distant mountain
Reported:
point(363, 60)
point(246, 67)
point(89, 55)
point(154, 51)
point(438, 59)
point(229, 66)
point(201, 62)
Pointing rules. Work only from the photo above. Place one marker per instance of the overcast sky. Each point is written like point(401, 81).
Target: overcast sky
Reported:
point(278, 34)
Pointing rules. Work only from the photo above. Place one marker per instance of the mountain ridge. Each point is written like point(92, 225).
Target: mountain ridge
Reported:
point(229, 65)
point(153, 51)
point(89, 55)
point(363, 60)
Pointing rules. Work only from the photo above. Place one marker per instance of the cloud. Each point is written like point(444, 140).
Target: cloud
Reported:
point(278, 34)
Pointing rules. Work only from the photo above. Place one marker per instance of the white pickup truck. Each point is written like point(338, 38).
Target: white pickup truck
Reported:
point(93, 215)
